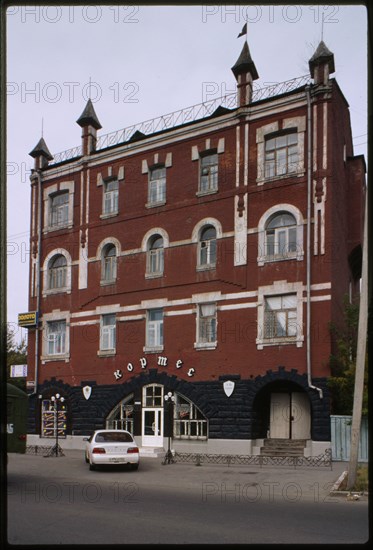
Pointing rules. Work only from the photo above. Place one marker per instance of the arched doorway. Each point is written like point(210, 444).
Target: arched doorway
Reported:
point(282, 411)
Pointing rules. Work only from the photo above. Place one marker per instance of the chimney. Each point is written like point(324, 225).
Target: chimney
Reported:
point(41, 155)
point(90, 124)
point(321, 64)
point(245, 72)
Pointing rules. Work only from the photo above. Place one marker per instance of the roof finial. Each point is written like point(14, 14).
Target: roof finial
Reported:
point(322, 27)
point(89, 87)
point(244, 31)
point(42, 126)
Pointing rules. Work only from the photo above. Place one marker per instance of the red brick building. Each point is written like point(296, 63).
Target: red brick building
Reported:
point(204, 258)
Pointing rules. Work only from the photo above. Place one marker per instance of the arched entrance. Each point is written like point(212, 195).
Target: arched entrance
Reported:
point(282, 411)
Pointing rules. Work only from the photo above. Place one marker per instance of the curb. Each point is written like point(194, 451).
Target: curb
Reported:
point(350, 495)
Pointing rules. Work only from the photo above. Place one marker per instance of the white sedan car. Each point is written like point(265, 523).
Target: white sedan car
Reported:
point(111, 447)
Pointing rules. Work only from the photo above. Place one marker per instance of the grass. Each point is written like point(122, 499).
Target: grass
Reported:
point(361, 482)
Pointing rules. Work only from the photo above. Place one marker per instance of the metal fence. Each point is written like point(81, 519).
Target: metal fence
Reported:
point(258, 460)
point(341, 438)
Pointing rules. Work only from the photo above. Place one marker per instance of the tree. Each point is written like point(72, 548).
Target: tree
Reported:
point(343, 363)
point(16, 355)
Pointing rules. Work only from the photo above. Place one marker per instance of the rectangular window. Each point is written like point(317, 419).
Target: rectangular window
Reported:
point(157, 186)
point(207, 323)
point(208, 181)
point(59, 210)
point(281, 155)
point(154, 331)
point(280, 316)
point(108, 332)
point(111, 192)
point(56, 337)
point(156, 260)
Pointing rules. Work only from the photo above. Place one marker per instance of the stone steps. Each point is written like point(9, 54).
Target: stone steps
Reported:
point(283, 447)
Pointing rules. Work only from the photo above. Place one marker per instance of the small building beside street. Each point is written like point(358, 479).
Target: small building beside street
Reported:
point(185, 271)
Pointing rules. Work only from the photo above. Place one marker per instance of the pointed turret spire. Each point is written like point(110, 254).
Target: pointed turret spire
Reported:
point(41, 154)
point(245, 72)
point(89, 117)
point(90, 124)
point(321, 64)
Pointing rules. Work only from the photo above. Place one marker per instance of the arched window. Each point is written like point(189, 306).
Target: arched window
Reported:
point(57, 269)
point(121, 417)
point(189, 422)
point(155, 256)
point(109, 264)
point(207, 247)
point(281, 235)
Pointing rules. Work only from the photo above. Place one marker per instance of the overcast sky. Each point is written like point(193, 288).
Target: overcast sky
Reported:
point(145, 61)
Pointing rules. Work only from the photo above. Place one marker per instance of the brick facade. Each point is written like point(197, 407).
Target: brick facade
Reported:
point(236, 280)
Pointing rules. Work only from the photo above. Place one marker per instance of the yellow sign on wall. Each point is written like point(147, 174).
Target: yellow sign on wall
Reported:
point(28, 320)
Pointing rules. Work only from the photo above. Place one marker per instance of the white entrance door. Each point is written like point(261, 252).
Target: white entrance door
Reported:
point(279, 425)
point(300, 415)
point(290, 416)
point(152, 427)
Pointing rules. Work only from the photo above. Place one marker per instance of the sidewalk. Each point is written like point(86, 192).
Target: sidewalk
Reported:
point(250, 482)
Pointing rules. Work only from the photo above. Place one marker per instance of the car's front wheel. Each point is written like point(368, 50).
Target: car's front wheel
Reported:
point(86, 458)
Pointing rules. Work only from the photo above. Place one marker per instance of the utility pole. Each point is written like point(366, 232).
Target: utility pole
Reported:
point(360, 359)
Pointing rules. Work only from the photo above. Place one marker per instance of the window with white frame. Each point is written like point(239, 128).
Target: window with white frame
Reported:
point(281, 154)
point(109, 264)
point(108, 332)
point(280, 316)
point(155, 256)
point(206, 324)
point(208, 180)
point(157, 186)
point(152, 395)
point(189, 422)
point(281, 235)
point(56, 337)
point(57, 270)
point(59, 210)
point(121, 417)
point(110, 199)
point(207, 248)
point(154, 328)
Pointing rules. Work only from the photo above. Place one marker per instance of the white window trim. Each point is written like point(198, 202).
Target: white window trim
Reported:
point(201, 192)
point(66, 289)
point(51, 190)
point(153, 204)
point(296, 123)
point(299, 253)
point(55, 316)
point(104, 352)
point(277, 289)
point(157, 347)
point(99, 258)
point(198, 345)
point(112, 213)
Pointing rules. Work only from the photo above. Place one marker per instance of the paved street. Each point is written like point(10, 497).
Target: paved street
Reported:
point(59, 501)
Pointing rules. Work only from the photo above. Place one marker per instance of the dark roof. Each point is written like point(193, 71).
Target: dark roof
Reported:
point(89, 116)
point(41, 149)
point(137, 135)
point(245, 63)
point(321, 55)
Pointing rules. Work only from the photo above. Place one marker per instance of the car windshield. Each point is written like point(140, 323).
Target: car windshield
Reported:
point(113, 437)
